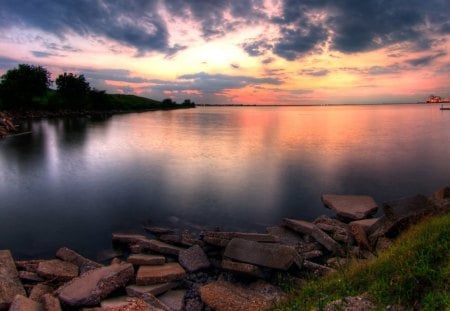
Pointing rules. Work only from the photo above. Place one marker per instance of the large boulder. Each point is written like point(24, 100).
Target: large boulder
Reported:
point(314, 231)
point(193, 259)
point(353, 207)
point(276, 256)
point(226, 296)
point(91, 287)
point(57, 270)
point(148, 275)
point(338, 230)
point(10, 285)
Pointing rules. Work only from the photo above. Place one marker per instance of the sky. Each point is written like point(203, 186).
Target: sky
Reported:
point(238, 52)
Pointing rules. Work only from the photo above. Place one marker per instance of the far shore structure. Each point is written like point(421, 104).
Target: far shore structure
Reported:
point(190, 268)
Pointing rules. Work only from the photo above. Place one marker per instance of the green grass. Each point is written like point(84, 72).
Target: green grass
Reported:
point(415, 270)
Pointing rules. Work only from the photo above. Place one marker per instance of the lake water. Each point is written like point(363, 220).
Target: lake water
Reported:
point(73, 182)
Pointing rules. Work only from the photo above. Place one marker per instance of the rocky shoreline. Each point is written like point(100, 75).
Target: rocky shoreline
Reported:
point(172, 269)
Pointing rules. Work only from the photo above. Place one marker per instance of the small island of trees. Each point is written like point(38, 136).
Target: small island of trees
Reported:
point(27, 87)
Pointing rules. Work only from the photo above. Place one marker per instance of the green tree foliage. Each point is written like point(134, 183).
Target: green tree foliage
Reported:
point(19, 86)
point(73, 89)
point(99, 99)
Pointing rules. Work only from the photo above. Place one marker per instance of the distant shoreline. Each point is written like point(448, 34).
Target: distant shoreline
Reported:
point(308, 105)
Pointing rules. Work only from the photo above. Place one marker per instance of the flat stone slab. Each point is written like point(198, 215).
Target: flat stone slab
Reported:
point(10, 285)
point(285, 235)
point(225, 296)
point(22, 303)
point(148, 275)
point(146, 259)
point(240, 267)
point(155, 289)
point(257, 237)
point(39, 290)
point(174, 299)
point(193, 259)
point(366, 224)
point(91, 287)
point(276, 256)
point(350, 206)
point(126, 304)
point(30, 276)
point(58, 270)
point(314, 231)
point(73, 257)
point(140, 242)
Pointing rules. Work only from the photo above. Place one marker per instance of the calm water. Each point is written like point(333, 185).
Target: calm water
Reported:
point(73, 182)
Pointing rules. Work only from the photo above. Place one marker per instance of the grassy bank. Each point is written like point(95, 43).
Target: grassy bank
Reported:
point(415, 272)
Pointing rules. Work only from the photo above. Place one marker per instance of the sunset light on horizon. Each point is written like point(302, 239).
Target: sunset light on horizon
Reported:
point(238, 52)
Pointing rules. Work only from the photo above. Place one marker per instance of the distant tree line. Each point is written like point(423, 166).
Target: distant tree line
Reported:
point(28, 87)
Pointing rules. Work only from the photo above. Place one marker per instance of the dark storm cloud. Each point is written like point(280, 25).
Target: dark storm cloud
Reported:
point(425, 60)
point(132, 23)
point(256, 48)
point(357, 26)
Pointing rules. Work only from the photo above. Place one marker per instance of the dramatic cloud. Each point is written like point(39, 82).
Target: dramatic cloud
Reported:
point(41, 54)
point(425, 60)
point(315, 72)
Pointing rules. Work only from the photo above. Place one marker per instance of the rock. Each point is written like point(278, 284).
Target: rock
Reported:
point(257, 237)
point(148, 275)
point(174, 299)
point(10, 285)
point(128, 304)
point(142, 243)
point(51, 303)
point(357, 303)
point(159, 230)
point(314, 231)
point(337, 262)
point(311, 254)
point(225, 296)
point(38, 291)
point(240, 267)
point(145, 259)
point(156, 289)
point(442, 194)
point(159, 247)
point(73, 257)
point(366, 224)
point(285, 235)
point(360, 236)
point(91, 287)
point(269, 291)
point(400, 214)
point(193, 259)
point(30, 276)
point(114, 302)
point(57, 270)
point(28, 265)
point(276, 256)
point(108, 254)
point(216, 241)
point(350, 206)
point(154, 302)
point(22, 303)
point(339, 231)
point(317, 268)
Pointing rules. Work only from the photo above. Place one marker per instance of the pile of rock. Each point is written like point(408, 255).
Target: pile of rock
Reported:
point(170, 269)
point(6, 124)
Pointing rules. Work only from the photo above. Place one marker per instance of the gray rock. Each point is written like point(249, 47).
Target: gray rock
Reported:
point(159, 230)
point(28, 265)
point(51, 303)
point(10, 285)
point(360, 236)
point(174, 299)
point(338, 230)
point(276, 256)
point(148, 275)
point(22, 303)
point(155, 289)
point(257, 237)
point(285, 235)
point(84, 264)
point(314, 231)
point(146, 259)
point(124, 238)
point(159, 247)
point(350, 206)
point(442, 194)
point(240, 267)
point(317, 268)
point(57, 270)
point(91, 287)
point(193, 259)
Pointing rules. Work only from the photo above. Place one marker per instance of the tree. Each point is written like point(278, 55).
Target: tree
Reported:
point(19, 86)
point(188, 103)
point(73, 89)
